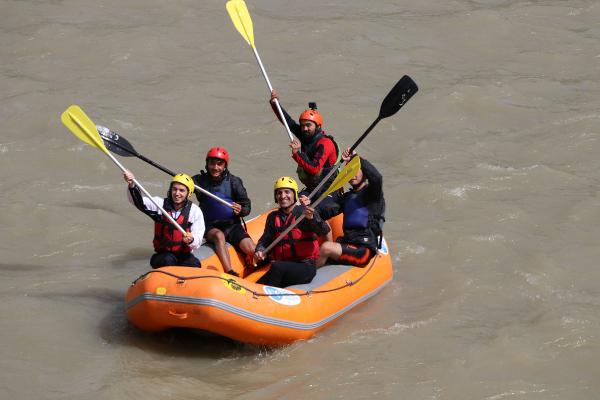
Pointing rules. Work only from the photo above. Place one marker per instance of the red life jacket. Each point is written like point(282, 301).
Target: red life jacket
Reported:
point(297, 245)
point(167, 238)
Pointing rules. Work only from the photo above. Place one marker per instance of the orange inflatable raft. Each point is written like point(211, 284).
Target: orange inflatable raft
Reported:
point(208, 299)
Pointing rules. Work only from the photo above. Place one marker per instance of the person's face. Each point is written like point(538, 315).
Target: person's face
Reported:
point(356, 179)
point(179, 193)
point(216, 167)
point(285, 197)
point(308, 127)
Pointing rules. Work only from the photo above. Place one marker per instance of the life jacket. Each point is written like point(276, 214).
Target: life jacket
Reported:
point(310, 147)
point(212, 209)
point(167, 238)
point(297, 245)
point(356, 213)
point(363, 223)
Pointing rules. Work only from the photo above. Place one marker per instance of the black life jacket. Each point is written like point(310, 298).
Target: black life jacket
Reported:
point(309, 147)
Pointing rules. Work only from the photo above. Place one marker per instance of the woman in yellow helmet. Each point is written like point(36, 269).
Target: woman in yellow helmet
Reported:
point(293, 258)
point(170, 245)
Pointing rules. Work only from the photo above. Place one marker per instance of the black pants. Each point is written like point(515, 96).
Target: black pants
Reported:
point(179, 259)
point(288, 273)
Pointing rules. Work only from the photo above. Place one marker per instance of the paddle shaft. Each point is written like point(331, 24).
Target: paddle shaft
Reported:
point(364, 135)
point(168, 171)
point(337, 165)
point(279, 110)
point(238, 12)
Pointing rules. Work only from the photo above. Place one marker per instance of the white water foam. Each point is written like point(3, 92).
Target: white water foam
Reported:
point(408, 248)
point(396, 329)
point(461, 191)
point(500, 168)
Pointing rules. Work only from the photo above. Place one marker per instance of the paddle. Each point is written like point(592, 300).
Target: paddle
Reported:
point(396, 98)
point(121, 146)
point(346, 173)
point(82, 126)
point(238, 12)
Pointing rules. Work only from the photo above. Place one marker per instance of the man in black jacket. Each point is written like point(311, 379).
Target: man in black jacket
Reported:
point(223, 223)
point(363, 207)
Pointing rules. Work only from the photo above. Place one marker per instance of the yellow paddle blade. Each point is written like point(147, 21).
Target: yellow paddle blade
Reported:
point(238, 12)
point(82, 126)
point(344, 176)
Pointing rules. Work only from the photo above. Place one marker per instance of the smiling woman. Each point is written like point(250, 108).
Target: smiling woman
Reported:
point(172, 247)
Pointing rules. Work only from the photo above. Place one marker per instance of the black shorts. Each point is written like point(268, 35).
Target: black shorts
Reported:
point(355, 255)
point(234, 234)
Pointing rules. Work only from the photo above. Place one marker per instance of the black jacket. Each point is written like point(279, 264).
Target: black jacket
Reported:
point(374, 201)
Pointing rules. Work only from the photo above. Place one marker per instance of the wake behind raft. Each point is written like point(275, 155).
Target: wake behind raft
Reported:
point(240, 309)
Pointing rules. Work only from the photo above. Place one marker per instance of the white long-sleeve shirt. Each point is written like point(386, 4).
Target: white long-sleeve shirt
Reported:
point(196, 218)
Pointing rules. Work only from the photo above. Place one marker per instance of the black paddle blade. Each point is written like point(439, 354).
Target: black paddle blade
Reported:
point(116, 143)
point(398, 96)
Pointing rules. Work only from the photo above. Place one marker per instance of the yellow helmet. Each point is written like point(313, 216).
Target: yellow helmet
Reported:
point(285, 182)
point(184, 179)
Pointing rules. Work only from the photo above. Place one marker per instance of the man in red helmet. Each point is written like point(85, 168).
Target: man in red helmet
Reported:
point(314, 151)
point(223, 223)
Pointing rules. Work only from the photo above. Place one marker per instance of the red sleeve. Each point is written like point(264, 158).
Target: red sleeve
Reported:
point(325, 152)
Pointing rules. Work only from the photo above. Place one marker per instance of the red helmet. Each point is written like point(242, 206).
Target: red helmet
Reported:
point(218, 152)
point(312, 115)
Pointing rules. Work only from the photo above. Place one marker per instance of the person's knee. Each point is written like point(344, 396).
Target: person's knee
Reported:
point(215, 236)
point(247, 246)
point(327, 248)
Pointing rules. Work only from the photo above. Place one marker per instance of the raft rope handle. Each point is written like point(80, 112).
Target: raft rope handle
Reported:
point(254, 293)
